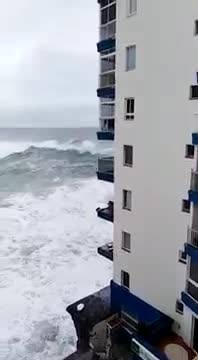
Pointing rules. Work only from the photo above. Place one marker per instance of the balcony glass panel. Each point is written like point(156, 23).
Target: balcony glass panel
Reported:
point(194, 271)
point(194, 181)
point(107, 80)
point(108, 63)
point(108, 31)
point(107, 110)
point(193, 237)
point(192, 290)
point(108, 14)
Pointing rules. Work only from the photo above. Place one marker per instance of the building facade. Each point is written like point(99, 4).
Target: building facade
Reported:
point(148, 95)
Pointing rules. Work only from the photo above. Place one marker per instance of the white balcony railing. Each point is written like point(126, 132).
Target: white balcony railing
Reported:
point(193, 237)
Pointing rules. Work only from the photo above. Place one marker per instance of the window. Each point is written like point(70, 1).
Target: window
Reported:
point(125, 279)
point(128, 155)
point(131, 7)
point(127, 200)
point(126, 241)
point(182, 257)
point(186, 206)
point(179, 307)
point(196, 27)
point(130, 58)
point(129, 108)
point(190, 151)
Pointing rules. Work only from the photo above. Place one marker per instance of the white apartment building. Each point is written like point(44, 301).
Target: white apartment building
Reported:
point(148, 94)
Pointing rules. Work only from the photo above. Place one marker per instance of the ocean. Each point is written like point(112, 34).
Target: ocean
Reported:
point(49, 234)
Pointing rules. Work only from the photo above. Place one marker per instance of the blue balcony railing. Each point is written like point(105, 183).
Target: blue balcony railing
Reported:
point(106, 92)
point(105, 135)
point(107, 44)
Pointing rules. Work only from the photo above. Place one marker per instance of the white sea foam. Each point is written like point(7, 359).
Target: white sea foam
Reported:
point(48, 260)
point(7, 148)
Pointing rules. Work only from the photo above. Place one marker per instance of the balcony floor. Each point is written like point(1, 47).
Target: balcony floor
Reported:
point(106, 251)
point(174, 339)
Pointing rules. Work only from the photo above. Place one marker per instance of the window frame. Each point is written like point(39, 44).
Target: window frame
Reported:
point(123, 272)
point(123, 239)
point(129, 62)
point(129, 6)
point(196, 28)
point(177, 305)
point(125, 147)
point(184, 208)
point(125, 191)
point(129, 116)
point(187, 152)
point(181, 258)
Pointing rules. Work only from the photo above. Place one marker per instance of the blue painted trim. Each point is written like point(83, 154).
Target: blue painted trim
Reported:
point(195, 138)
point(105, 135)
point(123, 300)
point(193, 196)
point(106, 45)
point(190, 302)
point(107, 92)
point(151, 349)
point(105, 176)
point(192, 251)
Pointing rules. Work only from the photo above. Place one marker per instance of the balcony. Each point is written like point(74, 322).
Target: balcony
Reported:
point(106, 251)
point(107, 92)
point(105, 134)
point(106, 169)
point(107, 85)
point(190, 298)
point(195, 138)
point(108, 31)
point(107, 64)
point(193, 193)
point(194, 92)
point(106, 45)
point(193, 237)
point(107, 213)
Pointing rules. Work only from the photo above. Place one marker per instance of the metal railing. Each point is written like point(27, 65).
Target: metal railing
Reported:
point(193, 237)
point(194, 180)
point(106, 164)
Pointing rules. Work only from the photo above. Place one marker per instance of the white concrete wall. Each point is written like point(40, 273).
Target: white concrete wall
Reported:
point(167, 55)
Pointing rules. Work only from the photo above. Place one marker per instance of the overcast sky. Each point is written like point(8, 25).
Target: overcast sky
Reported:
point(48, 55)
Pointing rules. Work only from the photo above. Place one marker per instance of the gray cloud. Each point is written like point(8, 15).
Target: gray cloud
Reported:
point(48, 55)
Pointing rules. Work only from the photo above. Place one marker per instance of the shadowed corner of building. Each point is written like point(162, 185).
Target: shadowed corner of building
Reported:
point(86, 313)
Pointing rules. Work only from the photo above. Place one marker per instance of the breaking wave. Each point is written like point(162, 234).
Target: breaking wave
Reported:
point(7, 148)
